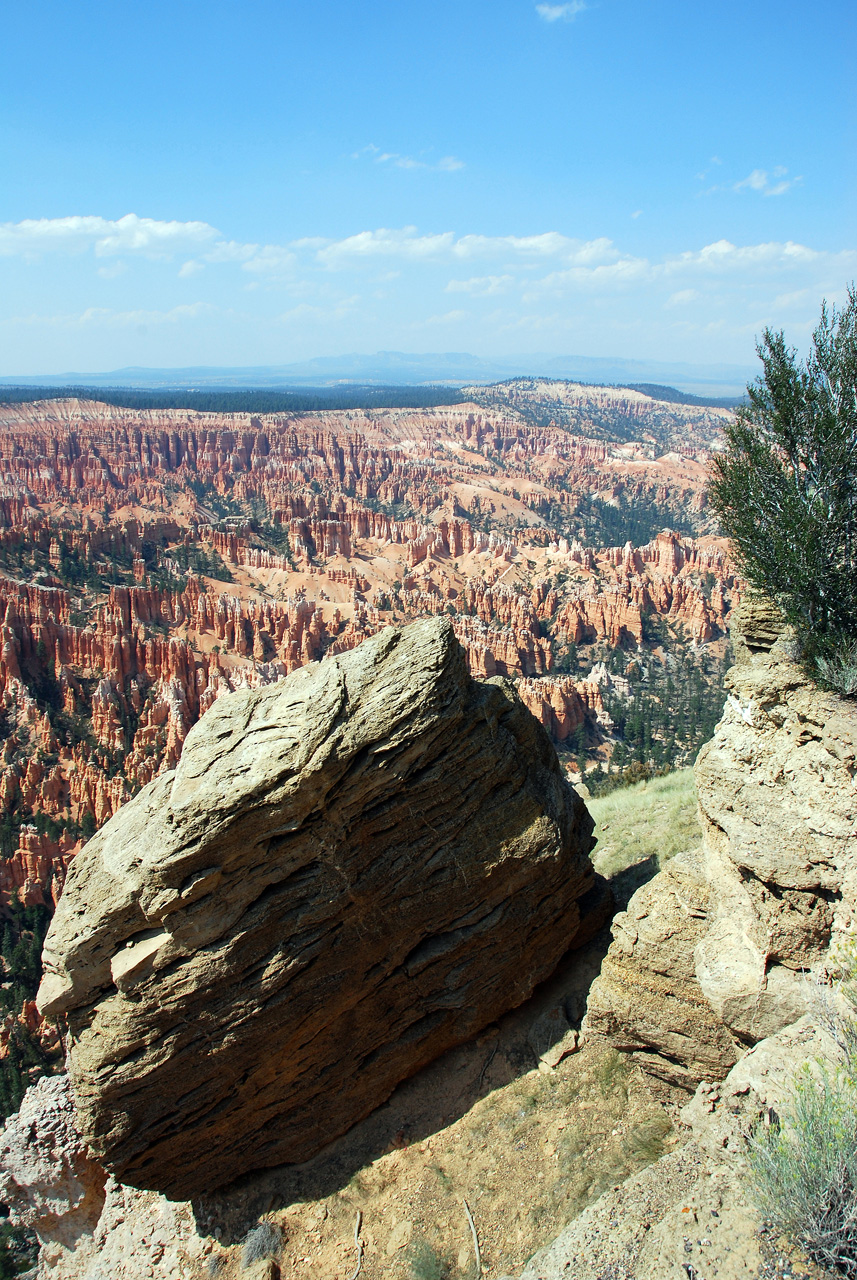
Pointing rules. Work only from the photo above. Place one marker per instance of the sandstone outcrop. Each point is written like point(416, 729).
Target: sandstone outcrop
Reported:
point(348, 872)
point(710, 956)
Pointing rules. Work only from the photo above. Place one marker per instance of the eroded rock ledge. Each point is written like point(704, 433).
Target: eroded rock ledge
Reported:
point(348, 872)
point(710, 956)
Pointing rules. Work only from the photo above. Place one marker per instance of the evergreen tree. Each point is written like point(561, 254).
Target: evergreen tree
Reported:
point(785, 487)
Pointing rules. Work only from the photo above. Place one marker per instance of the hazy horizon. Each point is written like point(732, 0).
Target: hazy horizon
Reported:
point(394, 368)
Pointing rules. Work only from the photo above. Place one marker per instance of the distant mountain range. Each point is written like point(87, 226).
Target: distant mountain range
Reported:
point(395, 368)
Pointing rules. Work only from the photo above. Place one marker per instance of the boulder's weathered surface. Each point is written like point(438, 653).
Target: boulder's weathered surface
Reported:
point(709, 957)
point(347, 873)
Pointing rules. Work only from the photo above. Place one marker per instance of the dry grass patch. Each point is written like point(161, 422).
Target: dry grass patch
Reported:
point(655, 819)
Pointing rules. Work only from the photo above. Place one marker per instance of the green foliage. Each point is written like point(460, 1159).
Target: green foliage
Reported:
point(630, 775)
point(672, 709)
point(612, 524)
point(313, 399)
point(670, 395)
point(803, 1167)
point(804, 1170)
point(70, 729)
point(188, 558)
point(839, 670)
point(21, 938)
point(24, 1063)
point(785, 487)
point(612, 1073)
point(10, 825)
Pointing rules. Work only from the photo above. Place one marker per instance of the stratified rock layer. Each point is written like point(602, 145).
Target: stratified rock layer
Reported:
point(710, 956)
point(349, 872)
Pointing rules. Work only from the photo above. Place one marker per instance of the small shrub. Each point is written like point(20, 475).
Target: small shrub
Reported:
point(426, 1263)
point(785, 485)
point(804, 1170)
point(262, 1242)
point(838, 671)
point(646, 1141)
point(611, 1073)
point(571, 1147)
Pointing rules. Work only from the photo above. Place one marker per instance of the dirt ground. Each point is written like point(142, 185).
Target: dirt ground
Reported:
point(522, 1144)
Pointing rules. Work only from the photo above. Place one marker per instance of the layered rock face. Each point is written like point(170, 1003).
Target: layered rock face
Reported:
point(348, 872)
point(710, 956)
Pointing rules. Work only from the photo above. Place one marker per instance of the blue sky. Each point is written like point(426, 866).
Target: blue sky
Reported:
point(258, 183)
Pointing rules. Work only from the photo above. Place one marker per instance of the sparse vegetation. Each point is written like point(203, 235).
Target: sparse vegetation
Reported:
point(651, 819)
point(426, 1263)
point(20, 957)
point(646, 1142)
point(18, 1250)
point(839, 670)
point(264, 1241)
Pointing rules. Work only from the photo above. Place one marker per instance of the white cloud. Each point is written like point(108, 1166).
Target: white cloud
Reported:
point(231, 251)
point(448, 317)
point(797, 298)
point(106, 317)
point(385, 242)
point(593, 292)
point(305, 312)
point(560, 12)
point(774, 184)
point(764, 183)
point(270, 260)
point(147, 236)
point(743, 266)
point(481, 286)
point(405, 242)
point(723, 256)
point(756, 181)
point(446, 164)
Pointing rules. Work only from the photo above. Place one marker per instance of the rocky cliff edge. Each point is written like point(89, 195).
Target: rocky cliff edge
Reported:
point(711, 956)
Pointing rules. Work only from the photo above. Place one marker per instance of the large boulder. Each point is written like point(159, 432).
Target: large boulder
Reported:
point(347, 873)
